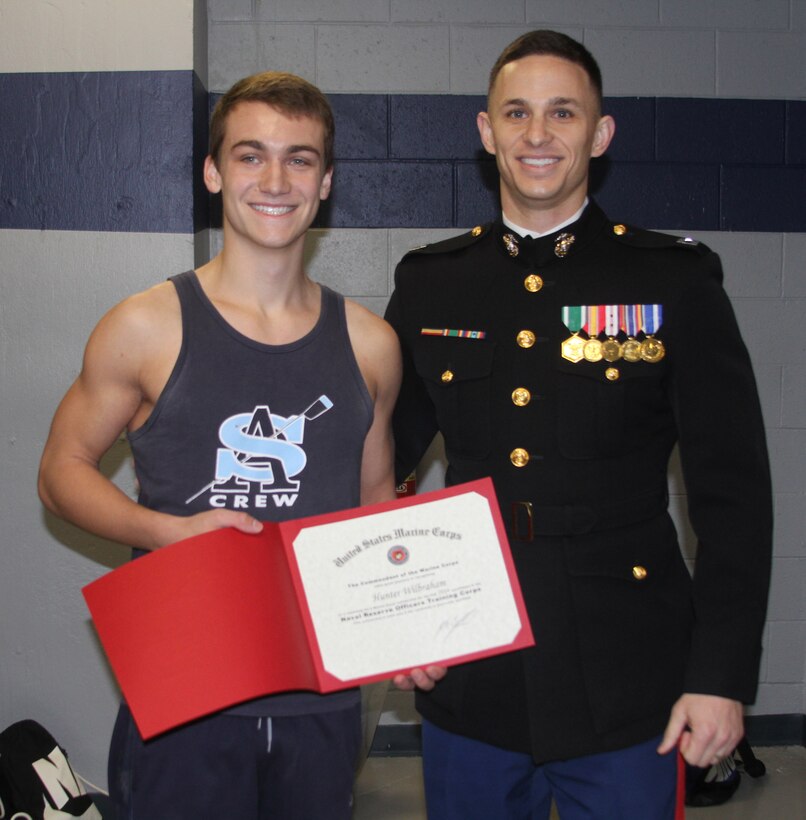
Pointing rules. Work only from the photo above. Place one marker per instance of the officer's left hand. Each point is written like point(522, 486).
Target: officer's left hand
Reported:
point(424, 679)
point(707, 727)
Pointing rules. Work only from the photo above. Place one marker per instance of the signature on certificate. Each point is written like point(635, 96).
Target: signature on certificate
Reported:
point(447, 627)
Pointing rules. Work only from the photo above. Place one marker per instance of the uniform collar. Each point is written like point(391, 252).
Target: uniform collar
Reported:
point(561, 244)
point(524, 232)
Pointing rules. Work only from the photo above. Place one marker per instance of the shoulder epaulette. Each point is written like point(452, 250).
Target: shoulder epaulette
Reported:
point(454, 243)
point(640, 238)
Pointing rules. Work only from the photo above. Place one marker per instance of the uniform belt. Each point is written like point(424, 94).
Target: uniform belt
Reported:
point(529, 520)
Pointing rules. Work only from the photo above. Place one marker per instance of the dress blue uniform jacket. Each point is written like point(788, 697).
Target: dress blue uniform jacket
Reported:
point(579, 465)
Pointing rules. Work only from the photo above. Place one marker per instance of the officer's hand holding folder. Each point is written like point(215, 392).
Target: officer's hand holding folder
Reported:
point(321, 603)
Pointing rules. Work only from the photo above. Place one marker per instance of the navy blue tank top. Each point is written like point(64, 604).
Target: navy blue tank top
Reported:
point(274, 430)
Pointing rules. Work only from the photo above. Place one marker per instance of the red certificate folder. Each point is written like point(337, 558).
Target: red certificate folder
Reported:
point(224, 617)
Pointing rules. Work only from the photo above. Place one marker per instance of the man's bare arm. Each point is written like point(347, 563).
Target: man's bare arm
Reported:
point(124, 359)
point(378, 353)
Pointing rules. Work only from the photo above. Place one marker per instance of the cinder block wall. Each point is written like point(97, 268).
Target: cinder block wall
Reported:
point(711, 141)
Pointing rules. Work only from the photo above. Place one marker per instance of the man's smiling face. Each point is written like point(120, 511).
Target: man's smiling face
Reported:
point(270, 173)
point(543, 126)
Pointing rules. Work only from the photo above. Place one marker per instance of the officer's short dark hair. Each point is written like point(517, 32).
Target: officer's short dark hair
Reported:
point(553, 44)
point(288, 93)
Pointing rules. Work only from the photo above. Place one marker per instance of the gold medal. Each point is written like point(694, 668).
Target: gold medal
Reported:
point(573, 349)
point(631, 350)
point(611, 350)
point(652, 350)
point(592, 350)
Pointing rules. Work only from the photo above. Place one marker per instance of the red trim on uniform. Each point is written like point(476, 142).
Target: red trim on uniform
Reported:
point(680, 802)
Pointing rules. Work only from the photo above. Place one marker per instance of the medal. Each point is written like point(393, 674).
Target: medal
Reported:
point(630, 324)
point(652, 349)
point(572, 349)
point(592, 351)
point(631, 350)
point(611, 348)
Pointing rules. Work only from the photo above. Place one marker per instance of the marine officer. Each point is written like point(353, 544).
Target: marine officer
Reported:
point(565, 355)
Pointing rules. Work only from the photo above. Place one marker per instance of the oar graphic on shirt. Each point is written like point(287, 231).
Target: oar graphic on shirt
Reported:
point(254, 452)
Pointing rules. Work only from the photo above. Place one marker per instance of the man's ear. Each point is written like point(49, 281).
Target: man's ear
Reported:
point(486, 131)
point(212, 179)
point(605, 130)
point(324, 186)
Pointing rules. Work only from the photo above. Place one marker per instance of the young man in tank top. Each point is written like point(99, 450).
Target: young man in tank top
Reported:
point(249, 393)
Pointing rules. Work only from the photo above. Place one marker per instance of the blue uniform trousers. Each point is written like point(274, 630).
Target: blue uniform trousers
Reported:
point(466, 779)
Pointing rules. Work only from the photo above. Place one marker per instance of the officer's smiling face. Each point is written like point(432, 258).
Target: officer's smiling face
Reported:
point(543, 126)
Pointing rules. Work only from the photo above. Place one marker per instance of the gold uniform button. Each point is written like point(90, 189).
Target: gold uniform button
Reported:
point(526, 338)
point(533, 283)
point(521, 396)
point(639, 572)
point(612, 374)
point(447, 376)
point(476, 231)
point(619, 230)
point(519, 457)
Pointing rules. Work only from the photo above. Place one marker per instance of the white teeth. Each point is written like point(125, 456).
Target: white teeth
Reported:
point(539, 163)
point(273, 210)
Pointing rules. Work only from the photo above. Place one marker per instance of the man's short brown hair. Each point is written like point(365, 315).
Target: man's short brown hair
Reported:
point(288, 93)
point(552, 44)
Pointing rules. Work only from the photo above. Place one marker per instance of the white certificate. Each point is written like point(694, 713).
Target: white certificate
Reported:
point(413, 585)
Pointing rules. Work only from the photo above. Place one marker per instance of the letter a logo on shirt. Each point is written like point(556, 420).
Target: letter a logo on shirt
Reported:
point(262, 452)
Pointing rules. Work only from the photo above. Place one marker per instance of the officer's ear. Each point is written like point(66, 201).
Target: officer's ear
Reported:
point(605, 130)
point(486, 132)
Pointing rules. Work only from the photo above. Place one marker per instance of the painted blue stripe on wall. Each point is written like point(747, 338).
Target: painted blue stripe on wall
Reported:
point(114, 151)
point(675, 163)
point(105, 151)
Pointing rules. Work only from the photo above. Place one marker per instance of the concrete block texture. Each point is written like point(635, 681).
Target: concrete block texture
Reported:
point(383, 58)
point(788, 590)
point(787, 651)
point(752, 262)
point(795, 265)
point(793, 410)
point(750, 15)
point(761, 65)
point(790, 523)
point(778, 699)
point(240, 49)
point(474, 49)
point(772, 329)
point(457, 11)
point(655, 62)
point(358, 11)
point(721, 131)
point(787, 449)
point(392, 194)
point(796, 132)
point(219, 11)
point(352, 262)
point(550, 13)
point(768, 381)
